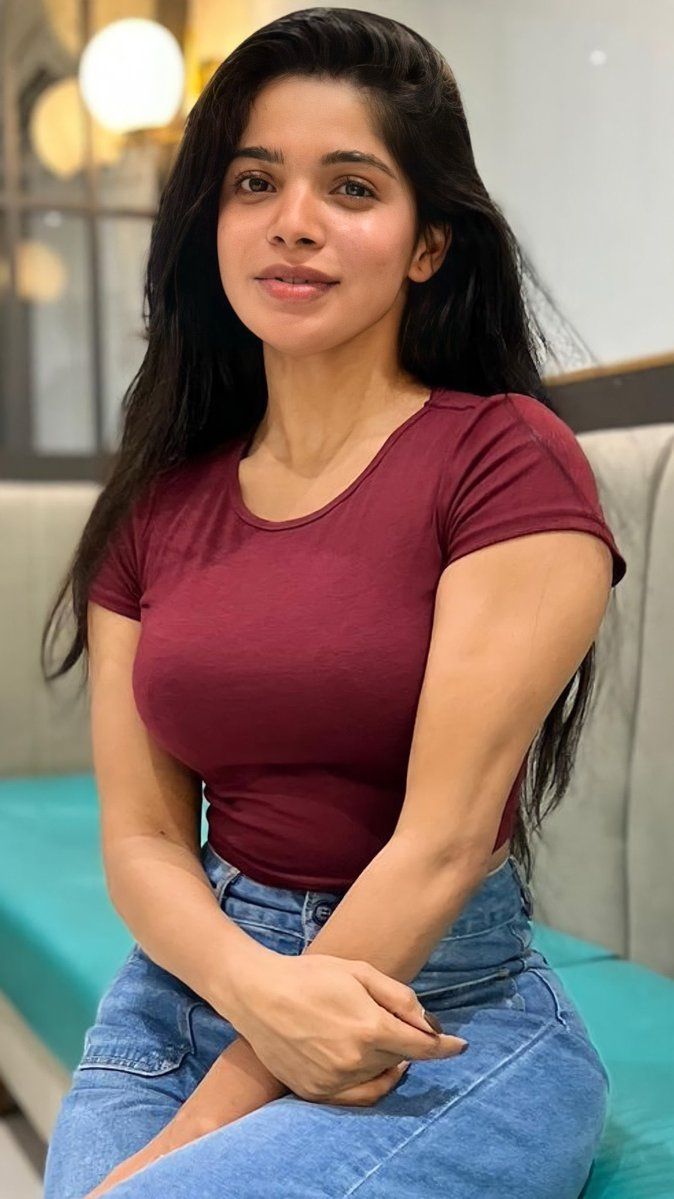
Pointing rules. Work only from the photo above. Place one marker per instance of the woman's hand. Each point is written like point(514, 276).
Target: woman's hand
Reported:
point(325, 1025)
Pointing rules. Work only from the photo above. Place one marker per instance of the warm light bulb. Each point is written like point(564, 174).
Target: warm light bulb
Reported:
point(58, 136)
point(132, 75)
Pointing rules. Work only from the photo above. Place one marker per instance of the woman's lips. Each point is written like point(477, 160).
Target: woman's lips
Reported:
point(294, 291)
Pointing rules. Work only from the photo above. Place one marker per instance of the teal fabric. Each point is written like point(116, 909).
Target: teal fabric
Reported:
point(629, 1013)
point(561, 949)
point(61, 941)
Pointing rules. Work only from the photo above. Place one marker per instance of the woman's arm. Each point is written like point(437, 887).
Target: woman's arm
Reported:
point(150, 807)
point(399, 876)
point(236, 1084)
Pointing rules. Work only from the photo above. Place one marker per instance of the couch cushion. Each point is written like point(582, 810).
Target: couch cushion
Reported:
point(60, 937)
point(629, 1013)
point(61, 940)
point(561, 949)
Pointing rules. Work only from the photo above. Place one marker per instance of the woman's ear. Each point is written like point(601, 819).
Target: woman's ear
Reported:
point(436, 241)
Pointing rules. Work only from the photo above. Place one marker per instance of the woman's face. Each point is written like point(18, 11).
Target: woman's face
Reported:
point(352, 220)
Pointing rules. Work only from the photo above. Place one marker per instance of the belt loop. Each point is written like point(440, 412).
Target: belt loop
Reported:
point(231, 873)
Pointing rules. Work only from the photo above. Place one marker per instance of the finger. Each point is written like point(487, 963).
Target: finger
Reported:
point(395, 997)
point(396, 1038)
point(365, 1094)
point(399, 1003)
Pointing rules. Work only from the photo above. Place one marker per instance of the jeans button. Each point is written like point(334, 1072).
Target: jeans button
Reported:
point(322, 912)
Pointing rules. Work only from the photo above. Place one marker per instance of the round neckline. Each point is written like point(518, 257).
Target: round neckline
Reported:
point(240, 507)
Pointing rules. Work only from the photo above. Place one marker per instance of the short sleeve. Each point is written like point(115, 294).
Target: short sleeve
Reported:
point(118, 581)
point(517, 468)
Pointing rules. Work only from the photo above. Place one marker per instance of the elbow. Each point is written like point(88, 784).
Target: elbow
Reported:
point(466, 858)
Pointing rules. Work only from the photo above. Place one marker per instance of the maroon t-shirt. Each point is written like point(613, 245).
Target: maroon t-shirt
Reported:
point(283, 660)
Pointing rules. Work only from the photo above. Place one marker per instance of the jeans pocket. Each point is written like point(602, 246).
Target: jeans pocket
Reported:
point(113, 1051)
point(142, 1023)
point(469, 968)
point(490, 990)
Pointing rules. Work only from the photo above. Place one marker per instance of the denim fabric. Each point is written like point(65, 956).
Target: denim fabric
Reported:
point(520, 1113)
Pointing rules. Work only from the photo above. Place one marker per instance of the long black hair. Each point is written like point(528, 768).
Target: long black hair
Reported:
point(202, 379)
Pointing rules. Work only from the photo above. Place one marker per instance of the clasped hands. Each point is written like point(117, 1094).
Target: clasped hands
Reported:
point(328, 1029)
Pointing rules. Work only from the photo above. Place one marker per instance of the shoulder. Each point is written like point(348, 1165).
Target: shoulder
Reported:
point(505, 408)
point(471, 426)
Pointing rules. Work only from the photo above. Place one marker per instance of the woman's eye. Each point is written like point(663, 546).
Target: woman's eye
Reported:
point(254, 178)
point(357, 183)
point(259, 179)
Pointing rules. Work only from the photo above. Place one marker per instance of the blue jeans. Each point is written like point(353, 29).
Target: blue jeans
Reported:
point(520, 1113)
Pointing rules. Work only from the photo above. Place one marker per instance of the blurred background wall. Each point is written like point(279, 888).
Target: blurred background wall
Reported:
point(570, 107)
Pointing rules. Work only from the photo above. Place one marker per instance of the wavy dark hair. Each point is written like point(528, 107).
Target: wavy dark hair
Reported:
point(202, 379)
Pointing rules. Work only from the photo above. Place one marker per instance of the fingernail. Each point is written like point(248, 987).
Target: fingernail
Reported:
point(404, 1066)
point(464, 1047)
point(434, 1023)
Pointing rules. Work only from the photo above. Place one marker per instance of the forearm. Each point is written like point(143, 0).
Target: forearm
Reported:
point(393, 915)
point(162, 893)
point(398, 909)
point(236, 1084)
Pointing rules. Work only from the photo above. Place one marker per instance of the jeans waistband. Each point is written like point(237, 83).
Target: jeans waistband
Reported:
point(502, 893)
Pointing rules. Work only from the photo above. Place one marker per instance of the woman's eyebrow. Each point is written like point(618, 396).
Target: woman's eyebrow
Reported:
point(334, 156)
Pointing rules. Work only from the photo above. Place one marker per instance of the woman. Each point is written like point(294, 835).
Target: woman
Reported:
point(346, 570)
